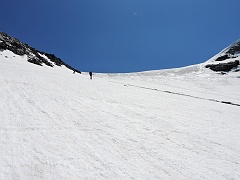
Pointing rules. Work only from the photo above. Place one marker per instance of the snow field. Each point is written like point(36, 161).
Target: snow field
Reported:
point(59, 125)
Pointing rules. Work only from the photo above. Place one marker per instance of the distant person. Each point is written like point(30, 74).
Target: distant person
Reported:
point(74, 72)
point(90, 74)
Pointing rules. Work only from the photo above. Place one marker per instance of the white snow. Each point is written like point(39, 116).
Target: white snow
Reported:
point(46, 58)
point(58, 125)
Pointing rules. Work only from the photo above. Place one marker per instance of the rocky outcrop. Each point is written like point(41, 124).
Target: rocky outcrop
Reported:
point(234, 49)
point(227, 59)
point(222, 58)
point(223, 66)
point(34, 56)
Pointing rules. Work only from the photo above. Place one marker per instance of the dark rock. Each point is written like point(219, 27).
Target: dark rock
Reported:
point(3, 46)
point(234, 49)
point(222, 58)
point(35, 61)
point(18, 51)
point(9, 43)
point(223, 66)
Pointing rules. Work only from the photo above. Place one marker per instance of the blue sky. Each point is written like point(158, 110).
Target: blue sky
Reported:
point(124, 35)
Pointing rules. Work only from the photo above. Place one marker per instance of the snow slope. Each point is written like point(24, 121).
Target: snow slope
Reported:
point(168, 124)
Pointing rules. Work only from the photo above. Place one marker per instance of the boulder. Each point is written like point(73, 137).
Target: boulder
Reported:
point(223, 66)
point(222, 58)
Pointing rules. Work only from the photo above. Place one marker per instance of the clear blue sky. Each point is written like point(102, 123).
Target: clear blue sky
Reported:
point(124, 35)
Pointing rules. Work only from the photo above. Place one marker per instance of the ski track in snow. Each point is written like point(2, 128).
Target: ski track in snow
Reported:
point(59, 125)
point(170, 92)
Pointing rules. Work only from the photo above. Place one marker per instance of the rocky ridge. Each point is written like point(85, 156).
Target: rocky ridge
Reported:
point(34, 56)
point(226, 60)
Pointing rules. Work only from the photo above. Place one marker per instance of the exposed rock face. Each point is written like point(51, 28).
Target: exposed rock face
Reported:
point(223, 66)
point(222, 58)
point(234, 49)
point(34, 56)
point(228, 55)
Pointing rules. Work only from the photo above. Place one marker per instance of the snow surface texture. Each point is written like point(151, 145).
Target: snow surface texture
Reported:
point(168, 124)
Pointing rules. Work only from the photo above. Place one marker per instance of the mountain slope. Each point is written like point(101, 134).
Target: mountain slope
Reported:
point(33, 56)
point(227, 60)
point(59, 125)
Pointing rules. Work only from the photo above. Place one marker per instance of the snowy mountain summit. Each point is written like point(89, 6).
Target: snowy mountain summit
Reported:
point(227, 60)
point(33, 56)
point(169, 124)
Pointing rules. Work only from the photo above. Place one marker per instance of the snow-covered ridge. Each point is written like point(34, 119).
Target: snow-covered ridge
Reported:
point(232, 50)
point(227, 60)
point(34, 56)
